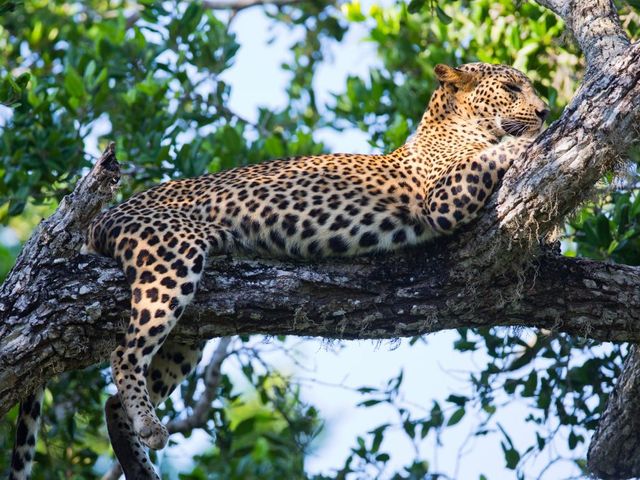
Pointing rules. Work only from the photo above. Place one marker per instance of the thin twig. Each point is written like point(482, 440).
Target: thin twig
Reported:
point(198, 417)
point(233, 5)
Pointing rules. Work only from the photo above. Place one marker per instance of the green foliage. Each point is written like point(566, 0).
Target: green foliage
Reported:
point(12, 89)
point(368, 460)
point(262, 438)
point(7, 257)
point(610, 228)
point(149, 76)
point(148, 81)
point(410, 44)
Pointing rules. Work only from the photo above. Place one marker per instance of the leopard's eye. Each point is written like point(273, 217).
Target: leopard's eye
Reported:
point(512, 87)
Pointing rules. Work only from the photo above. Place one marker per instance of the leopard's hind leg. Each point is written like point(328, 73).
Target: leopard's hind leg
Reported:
point(130, 452)
point(163, 271)
point(169, 366)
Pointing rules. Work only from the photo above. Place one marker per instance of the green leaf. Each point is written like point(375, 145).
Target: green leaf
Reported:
point(89, 71)
point(10, 91)
point(245, 426)
point(512, 457)
point(459, 400)
point(8, 6)
point(274, 147)
point(456, 417)
point(23, 80)
point(191, 18)
point(353, 11)
point(378, 436)
point(383, 457)
point(603, 230)
point(73, 83)
point(409, 428)
point(574, 440)
point(443, 17)
point(415, 6)
point(530, 385)
point(437, 419)
point(16, 206)
point(506, 435)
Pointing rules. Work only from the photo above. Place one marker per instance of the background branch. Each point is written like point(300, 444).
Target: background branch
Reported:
point(242, 4)
point(595, 26)
point(211, 378)
point(234, 5)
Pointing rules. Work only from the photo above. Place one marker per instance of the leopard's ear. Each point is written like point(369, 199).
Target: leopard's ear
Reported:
point(454, 76)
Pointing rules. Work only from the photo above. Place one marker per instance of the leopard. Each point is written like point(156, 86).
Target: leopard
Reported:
point(480, 118)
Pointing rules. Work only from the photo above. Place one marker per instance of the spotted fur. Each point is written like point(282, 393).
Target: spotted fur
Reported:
point(169, 366)
point(26, 436)
point(479, 119)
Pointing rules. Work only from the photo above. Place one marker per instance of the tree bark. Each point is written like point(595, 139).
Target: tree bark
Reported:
point(60, 310)
point(613, 452)
point(81, 305)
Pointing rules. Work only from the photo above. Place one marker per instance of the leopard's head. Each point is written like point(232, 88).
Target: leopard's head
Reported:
point(497, 97)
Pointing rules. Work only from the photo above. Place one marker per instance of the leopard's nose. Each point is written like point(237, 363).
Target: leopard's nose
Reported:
point(542, 113)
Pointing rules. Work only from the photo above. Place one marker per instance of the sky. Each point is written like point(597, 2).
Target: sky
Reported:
point(432, 370)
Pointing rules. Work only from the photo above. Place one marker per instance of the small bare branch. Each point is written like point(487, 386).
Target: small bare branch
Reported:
point(198, 417)
point(233, 5)
point(242, 4)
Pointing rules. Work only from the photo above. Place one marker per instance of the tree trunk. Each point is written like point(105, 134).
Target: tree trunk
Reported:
point(60, 310)
point(613, 453)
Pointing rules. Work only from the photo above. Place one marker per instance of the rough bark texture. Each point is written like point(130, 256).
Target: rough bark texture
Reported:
point(613, 453)
point(55, 242)
point(82, 305)
point(60, 310)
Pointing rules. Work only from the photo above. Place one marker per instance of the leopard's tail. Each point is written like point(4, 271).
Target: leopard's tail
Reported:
point(97, 239)
point(24, 448)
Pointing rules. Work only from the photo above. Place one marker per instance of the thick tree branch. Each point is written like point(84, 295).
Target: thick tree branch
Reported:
point(577, 156)
point(54, 242)
point(81, 306)
point(613, 453)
